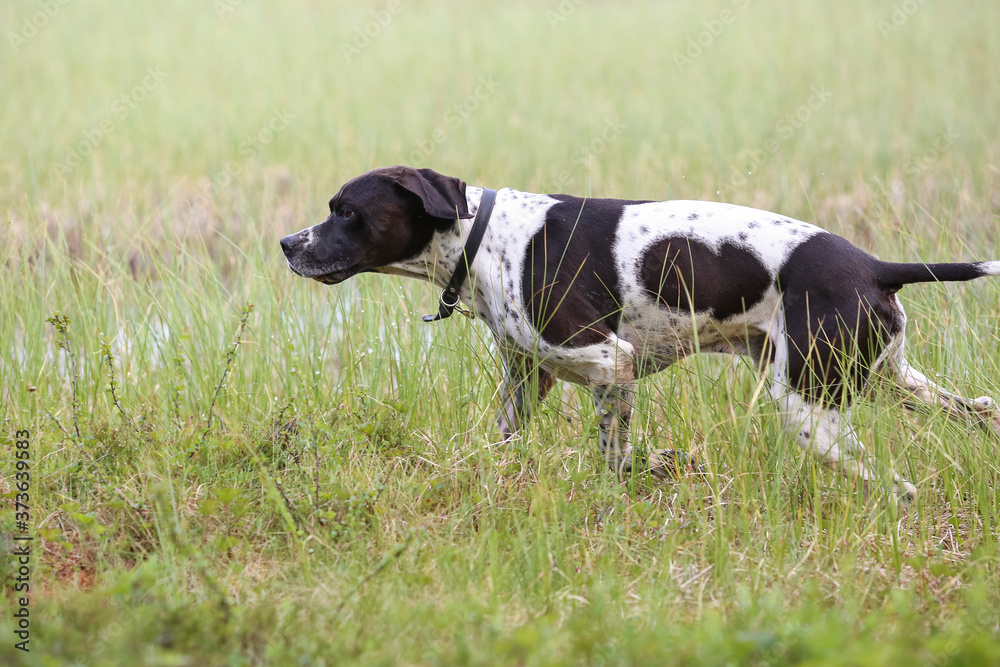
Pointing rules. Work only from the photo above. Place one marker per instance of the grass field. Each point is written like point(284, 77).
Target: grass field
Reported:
point(233, 466)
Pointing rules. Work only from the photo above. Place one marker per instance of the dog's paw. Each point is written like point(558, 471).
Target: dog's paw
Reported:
point(906, 493)
point(673, 463)
point(989, 412)
point(900, 493)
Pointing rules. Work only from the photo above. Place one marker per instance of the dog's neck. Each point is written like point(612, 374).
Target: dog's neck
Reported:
point(437, 261)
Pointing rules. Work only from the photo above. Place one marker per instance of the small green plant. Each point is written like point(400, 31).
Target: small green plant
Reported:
point(178, 384)
point(61, 324)
point(227, 367)
point(109, 359)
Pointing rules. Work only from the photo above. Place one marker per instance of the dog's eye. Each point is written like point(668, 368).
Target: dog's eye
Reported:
point(346, 213)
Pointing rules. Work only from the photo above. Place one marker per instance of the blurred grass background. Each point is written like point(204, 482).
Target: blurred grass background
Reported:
point(347, 505)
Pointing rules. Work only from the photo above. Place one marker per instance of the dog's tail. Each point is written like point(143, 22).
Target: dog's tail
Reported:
point(893, 276)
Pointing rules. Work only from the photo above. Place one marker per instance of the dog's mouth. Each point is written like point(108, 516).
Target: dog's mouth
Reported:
point(331, 278)
point(327, 278)
point(334, 277)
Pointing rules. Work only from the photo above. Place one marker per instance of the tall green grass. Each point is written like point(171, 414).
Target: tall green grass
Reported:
point(323, 486)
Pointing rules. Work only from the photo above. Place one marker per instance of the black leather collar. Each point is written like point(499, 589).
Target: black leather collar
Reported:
point(449, 299)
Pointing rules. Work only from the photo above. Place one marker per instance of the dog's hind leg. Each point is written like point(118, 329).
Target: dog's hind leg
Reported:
point(524, 384)
point(826, 432)
point(914, 385)
point(810, 384)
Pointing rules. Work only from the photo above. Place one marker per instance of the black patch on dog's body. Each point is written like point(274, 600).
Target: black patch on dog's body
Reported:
point(687, 275)
point(569, 285)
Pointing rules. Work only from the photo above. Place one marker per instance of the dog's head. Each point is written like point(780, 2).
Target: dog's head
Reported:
point(381, 217)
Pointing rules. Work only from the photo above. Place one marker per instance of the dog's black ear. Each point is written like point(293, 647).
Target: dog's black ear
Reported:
point(443, 196)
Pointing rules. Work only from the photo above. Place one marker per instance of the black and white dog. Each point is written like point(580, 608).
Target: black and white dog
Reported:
point(602, 292)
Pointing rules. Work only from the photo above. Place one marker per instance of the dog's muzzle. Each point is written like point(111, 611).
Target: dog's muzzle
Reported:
point(290, 246)
point(291, 243)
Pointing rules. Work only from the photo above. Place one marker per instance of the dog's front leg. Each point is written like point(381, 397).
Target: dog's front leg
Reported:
point(614, 408)
point(525, 383)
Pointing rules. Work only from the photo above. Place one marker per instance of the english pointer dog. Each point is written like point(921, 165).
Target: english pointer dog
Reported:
point(601, 292)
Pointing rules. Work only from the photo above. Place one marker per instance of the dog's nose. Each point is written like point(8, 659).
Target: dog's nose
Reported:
point(289, 242)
